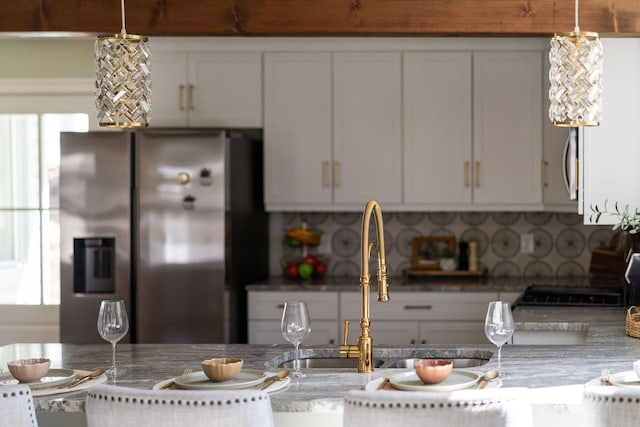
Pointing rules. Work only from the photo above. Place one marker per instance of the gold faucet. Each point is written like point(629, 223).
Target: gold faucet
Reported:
point(364, 350)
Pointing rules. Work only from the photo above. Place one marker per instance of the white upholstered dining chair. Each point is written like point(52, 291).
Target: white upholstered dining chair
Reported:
point(609, 406)
point(478, 408)
point(112, 406)
point(17, 407)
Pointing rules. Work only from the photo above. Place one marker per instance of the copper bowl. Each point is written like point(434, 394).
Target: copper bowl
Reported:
point(29, 370)
point(433, 371)
point(221, 369)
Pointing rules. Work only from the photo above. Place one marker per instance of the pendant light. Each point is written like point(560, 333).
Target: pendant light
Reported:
point(575, 77)
point(123, 79)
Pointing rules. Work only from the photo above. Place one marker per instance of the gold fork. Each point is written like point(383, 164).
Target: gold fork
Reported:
point(604, 377)
point(171, 384)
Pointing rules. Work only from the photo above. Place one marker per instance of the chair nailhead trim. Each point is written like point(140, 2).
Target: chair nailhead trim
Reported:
point(156, 401)
point(440, 405)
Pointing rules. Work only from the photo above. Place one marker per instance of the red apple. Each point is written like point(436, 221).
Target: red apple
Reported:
point(292, 271)
point(320, 268)
point(310, 259)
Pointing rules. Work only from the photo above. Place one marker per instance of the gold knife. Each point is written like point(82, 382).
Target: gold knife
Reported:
point(277, 377)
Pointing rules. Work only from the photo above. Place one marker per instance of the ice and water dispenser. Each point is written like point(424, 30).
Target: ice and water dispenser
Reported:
point(94, 265)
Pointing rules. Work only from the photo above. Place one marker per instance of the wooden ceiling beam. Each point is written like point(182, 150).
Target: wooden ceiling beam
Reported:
point(323, 17)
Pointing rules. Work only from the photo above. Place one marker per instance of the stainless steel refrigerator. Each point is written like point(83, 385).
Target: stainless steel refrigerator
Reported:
point(172, 222)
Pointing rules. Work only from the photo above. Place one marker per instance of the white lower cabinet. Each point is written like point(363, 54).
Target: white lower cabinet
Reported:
point(422, 317)
point(387, 332)
point(265, 313)
point(452, 332)
point(509, 297)
point(409, 318)
point(413, 333)
point(268, 332)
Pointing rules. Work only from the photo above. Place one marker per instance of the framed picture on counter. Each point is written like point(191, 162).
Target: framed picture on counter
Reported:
point(427, 251)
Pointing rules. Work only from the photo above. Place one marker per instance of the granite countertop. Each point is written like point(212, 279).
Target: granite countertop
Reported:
point(427, 284)
point(396, 284)
point(143, 365)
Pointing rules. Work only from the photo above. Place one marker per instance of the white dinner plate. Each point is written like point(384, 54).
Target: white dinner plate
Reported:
point(457, 380)
point(53, 378)
point(275, 386)
point(625, 379)
point(374, 385)
point(199, 381)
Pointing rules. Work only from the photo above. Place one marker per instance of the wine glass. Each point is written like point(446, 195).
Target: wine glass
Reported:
point(113, 325)
point(295, 327)
point(498, 326)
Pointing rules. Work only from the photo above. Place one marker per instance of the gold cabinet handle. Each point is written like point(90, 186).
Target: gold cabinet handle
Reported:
point(466, 174)
point(543, 179)
point(181, 97)
point(325, 173)
point(190, 98)
point(477, 174)
point(280, 306)
point(424, 342)
point(418, 307)
point(336, 174)
point(413, 341)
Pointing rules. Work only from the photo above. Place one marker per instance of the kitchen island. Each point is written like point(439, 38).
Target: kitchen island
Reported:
point(555, 373)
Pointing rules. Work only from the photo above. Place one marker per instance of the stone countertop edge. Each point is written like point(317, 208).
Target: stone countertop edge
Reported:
point(399, 284)
point(396, 284)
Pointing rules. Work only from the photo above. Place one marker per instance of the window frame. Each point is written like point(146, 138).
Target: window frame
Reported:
point(47, 96)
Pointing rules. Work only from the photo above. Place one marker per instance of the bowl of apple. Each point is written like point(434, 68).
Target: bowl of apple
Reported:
point(306, 267)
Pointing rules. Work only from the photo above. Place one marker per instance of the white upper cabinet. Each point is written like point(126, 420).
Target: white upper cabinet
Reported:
point(297, 128)
point(473, 139)
point(207, 89)
point(367, 128)
point(332, 130)
point(507, 128)
point(612, 150)
point(437, 128)
point(168, 96)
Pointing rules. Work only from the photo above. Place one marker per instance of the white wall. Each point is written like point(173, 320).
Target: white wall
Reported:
point(29, 324)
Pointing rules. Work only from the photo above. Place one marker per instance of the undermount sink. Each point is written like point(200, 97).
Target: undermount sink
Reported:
point(400, 358)
point(457, 363)
point(327, 363)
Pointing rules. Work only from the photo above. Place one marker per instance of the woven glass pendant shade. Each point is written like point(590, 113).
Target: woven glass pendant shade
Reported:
point(123, 79)
point(575, 92)
point(575, 78)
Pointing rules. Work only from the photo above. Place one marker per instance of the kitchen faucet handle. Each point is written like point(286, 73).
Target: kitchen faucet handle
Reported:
point(346, 350)
point(346, 334)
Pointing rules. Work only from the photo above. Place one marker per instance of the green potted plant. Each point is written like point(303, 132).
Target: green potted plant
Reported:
point(205, 176)
point(188, 202)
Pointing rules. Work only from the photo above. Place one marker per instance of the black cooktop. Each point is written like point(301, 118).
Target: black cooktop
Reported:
point(545, 295)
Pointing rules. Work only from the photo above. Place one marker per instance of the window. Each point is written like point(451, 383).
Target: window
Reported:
point(29, 205)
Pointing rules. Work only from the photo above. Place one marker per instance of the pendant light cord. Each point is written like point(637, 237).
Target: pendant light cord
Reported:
point(577, 29)
point(124, 31)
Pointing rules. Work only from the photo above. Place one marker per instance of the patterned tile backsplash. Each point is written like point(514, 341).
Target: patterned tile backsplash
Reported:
point(562, 243)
